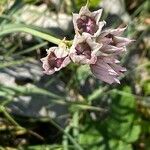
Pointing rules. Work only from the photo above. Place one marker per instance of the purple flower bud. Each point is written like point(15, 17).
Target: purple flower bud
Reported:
point(56, 59)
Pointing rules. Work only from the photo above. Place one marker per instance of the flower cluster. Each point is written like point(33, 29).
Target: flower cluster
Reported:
point(92, 46)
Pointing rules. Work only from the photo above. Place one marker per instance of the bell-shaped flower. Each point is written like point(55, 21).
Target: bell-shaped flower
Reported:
point(87, 21)
point(56, 59)
point(84, 49)
point(107, 69)
point(112, 41)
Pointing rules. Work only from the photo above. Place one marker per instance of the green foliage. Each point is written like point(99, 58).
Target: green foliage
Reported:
point(92, 3)
point(82, 73)
point(31, 1)
point(3, 2)
point(146, 87)
point(119, 130)
point(121, 113)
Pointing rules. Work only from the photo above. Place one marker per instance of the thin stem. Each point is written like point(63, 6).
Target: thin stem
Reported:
point(65, 138)
point(7, 115)
point(31, 49)
point(78, 147)
point(76, 124)
point(28, 29)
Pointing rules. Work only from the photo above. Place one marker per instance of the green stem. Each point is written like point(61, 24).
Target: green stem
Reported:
point(8, 116)
point(65, 138)
point(76, 124)
point(3, 110)
point(78, 147)
point(31, 49)
point(28, 29)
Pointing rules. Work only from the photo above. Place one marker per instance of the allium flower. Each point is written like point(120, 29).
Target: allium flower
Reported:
point(84, 50)
point(91, 46)
point(107, 69)
point(56, 59)
point(88, 22)
point(112, 41)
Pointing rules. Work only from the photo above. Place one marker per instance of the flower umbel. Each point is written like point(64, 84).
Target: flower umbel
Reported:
point(92, 46)
point(56, 59)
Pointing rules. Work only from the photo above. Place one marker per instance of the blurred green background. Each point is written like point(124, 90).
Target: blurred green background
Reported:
point(71, 110)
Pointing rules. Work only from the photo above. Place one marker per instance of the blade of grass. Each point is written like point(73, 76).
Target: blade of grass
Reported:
point(3, 110)
point(35, 47)
point(9, 117)
point(13, 63)
point(12, 50)
point(31, 89)
point(11, 28)
point(75, 124)
point(26, 90)
point(65, 138)
point(12, 10)
point(72, 140)
point(96, 93)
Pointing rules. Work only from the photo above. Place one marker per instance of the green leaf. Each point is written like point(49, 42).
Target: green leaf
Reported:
point(133, 134)
point(114, 144)
point(120, 123)
point(45, 147)
point(90, 138)
point(36, 31)
point(119, 145)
